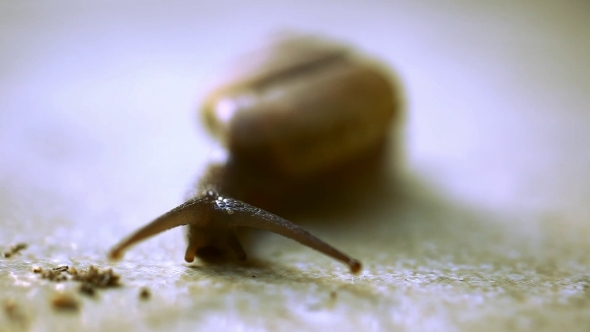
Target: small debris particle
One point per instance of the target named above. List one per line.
(93, 276)
(10, 308)
(36, 269)
(333, 295)
(15, 249)
(14, 313)
(62, 268)
(253, 276)
(98, 278)
(144, 293)
(65, 302)
(87, 289)
(53, 275)
(90, 279)
(18, 247)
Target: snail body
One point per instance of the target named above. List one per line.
(306, 113)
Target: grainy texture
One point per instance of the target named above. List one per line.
(485, 227)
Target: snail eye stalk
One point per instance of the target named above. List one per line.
(224, 215)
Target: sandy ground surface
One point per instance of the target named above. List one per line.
(482, 222)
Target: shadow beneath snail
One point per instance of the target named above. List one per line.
(395, 213)
(269, 273)
(252, 268)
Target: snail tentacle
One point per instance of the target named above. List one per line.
(246, 215)
(181, 215)
(212, 208)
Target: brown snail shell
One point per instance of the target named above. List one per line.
(306, 106)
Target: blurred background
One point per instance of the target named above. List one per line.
(99, 133)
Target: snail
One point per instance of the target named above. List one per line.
(302, 112)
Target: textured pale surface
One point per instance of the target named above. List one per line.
(486, 228)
